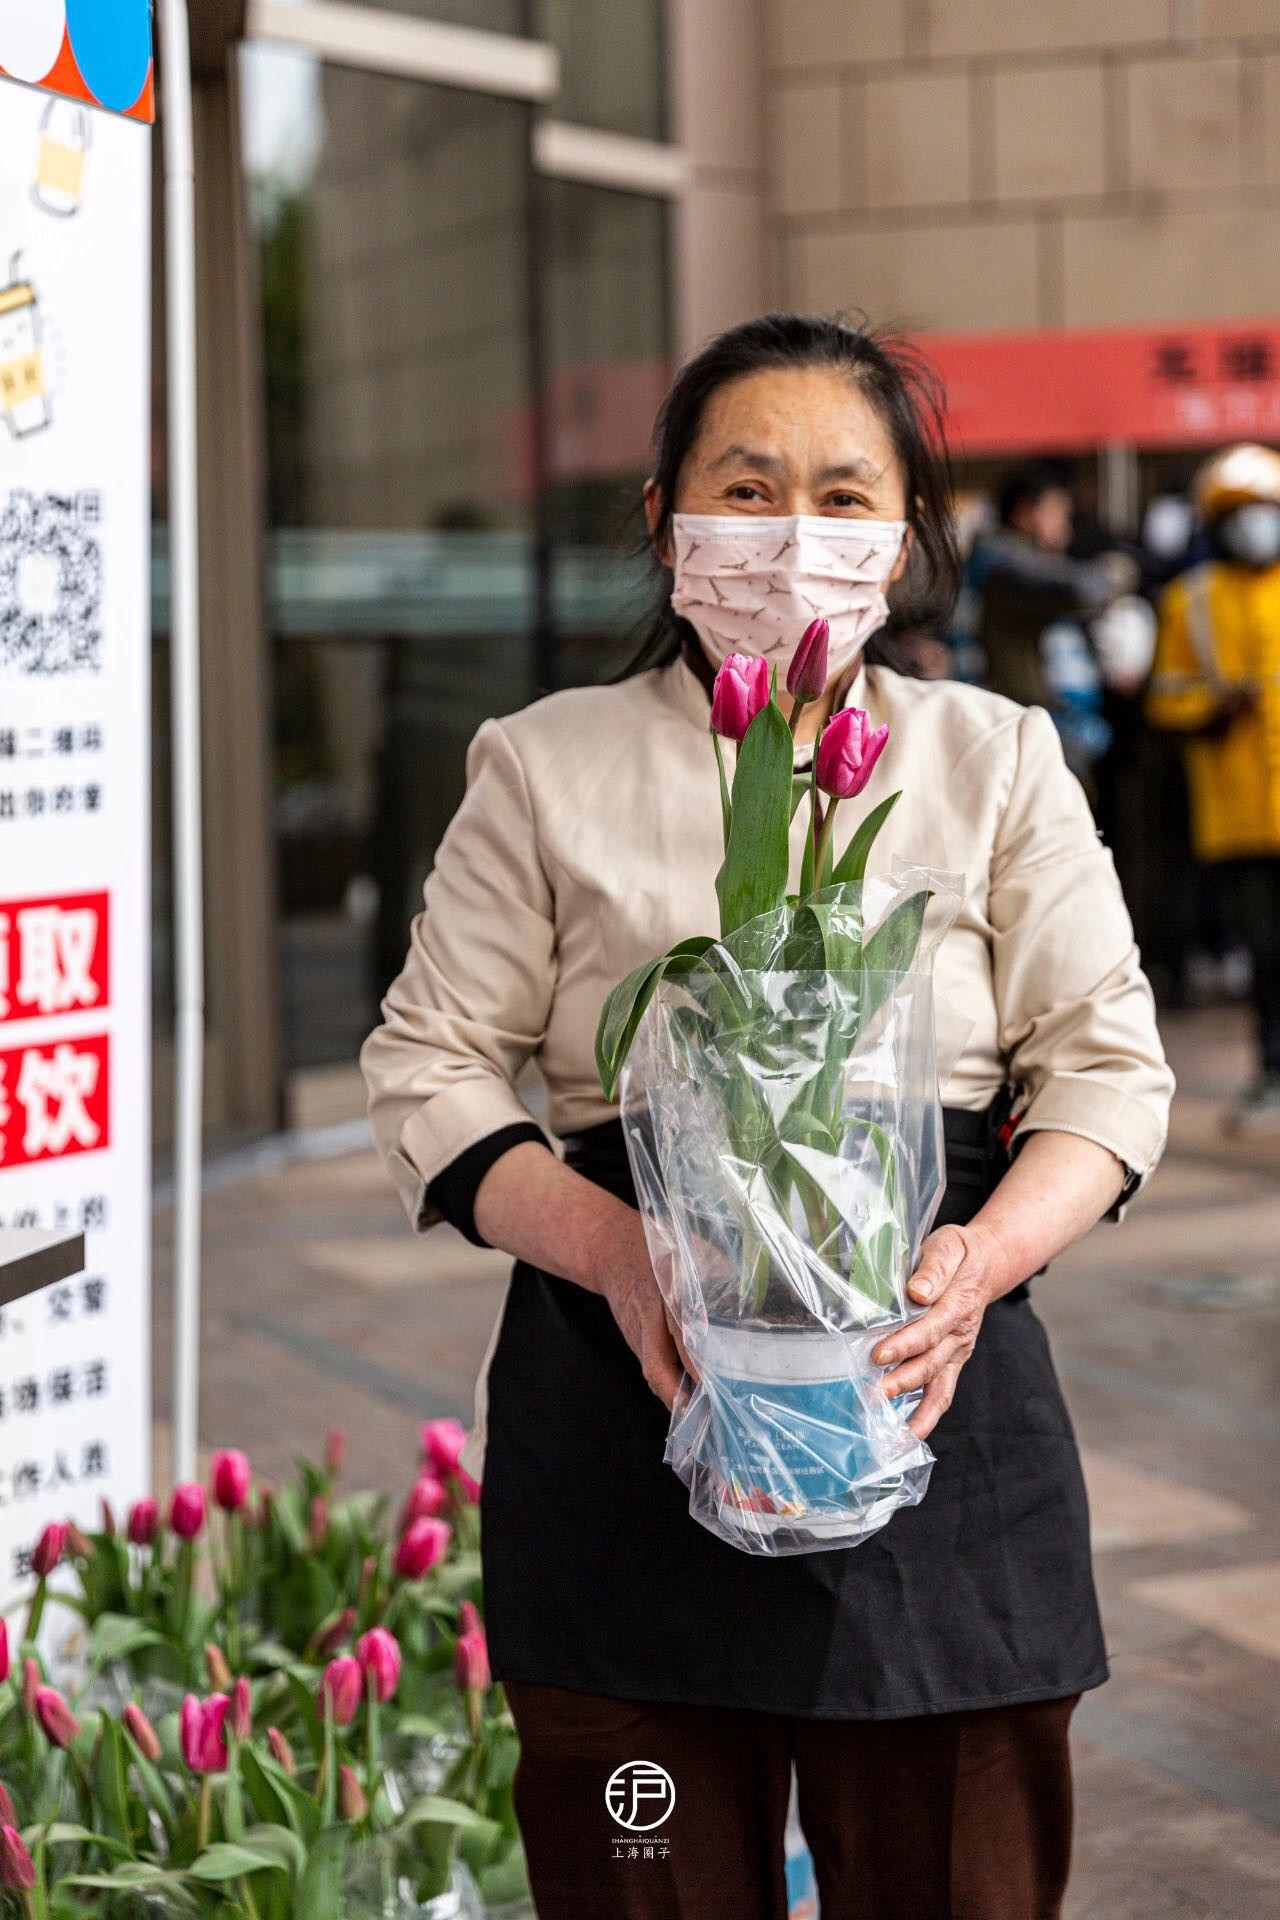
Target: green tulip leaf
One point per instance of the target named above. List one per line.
(625, 1008)
(116, 1635)
(273, 1848)
(319, 1894)
(852, 864)
(753, 878)
(892, 947)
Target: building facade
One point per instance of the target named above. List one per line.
(449, 253)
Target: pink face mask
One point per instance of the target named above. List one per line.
(749, 584)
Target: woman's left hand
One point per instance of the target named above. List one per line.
(961, 1271)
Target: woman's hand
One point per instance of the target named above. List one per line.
(962, 1270)
(624, 1275)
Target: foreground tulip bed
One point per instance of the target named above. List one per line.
(264, 1703)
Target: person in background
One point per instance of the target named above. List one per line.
(1217, 682)
(1034, 596)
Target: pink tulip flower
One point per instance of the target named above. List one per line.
(229, 1479)
(4, 1651)
(318, 1522)
(17, 1869)
(470, 1488)
(203, 1733)
(331, 1639)
(847, 753)
(335, 1451)
(352, 1804)
(807, 674)
(32, 1681)
(56, 1717)
(469, 1620)
(422, 1546)
(379, 1654)
(442, 1444)
(8, 1813)
(241, 1709)
(141, 1732)
(741, 691)
(343, 1683)
(186, 1510)
(217, 1667)
(471, 1661)
(144, 1522)
(426, 1499)
(49, 1549)
(282, 1751)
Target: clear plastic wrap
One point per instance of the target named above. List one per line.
(784, 1130)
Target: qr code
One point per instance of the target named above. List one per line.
(50, 583)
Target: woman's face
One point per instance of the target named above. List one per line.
(802, 440)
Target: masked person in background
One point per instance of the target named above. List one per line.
(1034, 596)
(1217, 682)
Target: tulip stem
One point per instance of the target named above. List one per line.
(37, 1609)
(726, 809)
(822, 840)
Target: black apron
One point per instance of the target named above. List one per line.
(597, 1578)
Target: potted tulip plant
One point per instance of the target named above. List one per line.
(780, 1107)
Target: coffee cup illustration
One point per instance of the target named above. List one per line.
(64, 140)
(24, 399)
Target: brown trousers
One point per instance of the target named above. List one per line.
(953, 1816)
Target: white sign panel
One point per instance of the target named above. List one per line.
(75, 753)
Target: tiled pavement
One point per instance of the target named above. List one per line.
(320, 1307)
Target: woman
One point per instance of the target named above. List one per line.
(921, 1684)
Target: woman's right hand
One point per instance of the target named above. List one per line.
(625, 1277)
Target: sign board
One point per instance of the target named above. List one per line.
(1064, 392)
(75, 749)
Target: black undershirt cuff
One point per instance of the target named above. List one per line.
(453, 1191)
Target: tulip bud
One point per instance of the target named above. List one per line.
(141, 1732)
(202, 1731)
(847, 753)
(215, 1665)
(328, 1642)
(56, 1717)
(32, 1681)
(368, 1574)
(422, 1546)
(469, 1487)
(266, 1502)
(318, 1523)
(109, 1526)
(17, 1869)
(186, 1511)
(807, 674)
(469, 1620)
(282, 1751)
(229, 1479)
(49, 1549)
(144, 1522)
(8, 1813)
(741, 691)
(241, 1709)
(4, 1650)
(471, 1662)
(426, 1499)
(77, 1544)
(352, 1804)
(335, 1451)
(442, 1444)
(343, 1683)
(379, 1654)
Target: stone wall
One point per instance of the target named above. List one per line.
(997, 164)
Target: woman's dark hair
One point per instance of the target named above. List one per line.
(907, 395)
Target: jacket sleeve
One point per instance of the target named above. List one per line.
(1180, 697)
(1076, 1016)
(470, 1005)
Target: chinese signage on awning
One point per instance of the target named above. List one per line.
(75, 749)
(1154, 387)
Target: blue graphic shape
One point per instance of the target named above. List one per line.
(111, 40)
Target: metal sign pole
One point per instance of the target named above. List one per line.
(184, 642)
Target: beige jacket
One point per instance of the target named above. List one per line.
(589, 840)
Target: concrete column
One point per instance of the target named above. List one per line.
(717, 92)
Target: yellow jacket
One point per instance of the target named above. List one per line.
(1220, 630)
